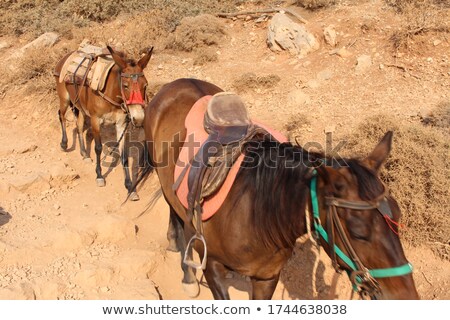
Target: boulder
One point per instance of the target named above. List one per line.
(286, 34)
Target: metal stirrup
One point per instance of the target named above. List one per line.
(189, 248)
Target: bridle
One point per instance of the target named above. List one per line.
(135, 94)
(363, 279)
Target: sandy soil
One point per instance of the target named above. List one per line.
(62, 237)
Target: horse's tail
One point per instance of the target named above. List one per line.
(146, 168)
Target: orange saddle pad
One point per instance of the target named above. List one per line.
(195, 137)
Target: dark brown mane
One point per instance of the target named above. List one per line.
(276, 173)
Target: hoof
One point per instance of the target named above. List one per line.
(172, 247)
(87, 159)
(100, 182)
(63, 147)
(134, 196)
(191, 289)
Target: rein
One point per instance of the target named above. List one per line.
(363, 279)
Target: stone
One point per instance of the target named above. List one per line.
(298, 98)
(286, 34)
(325, 74)
(330, 36)
(4, 45)
(363, 64)
(45, 40)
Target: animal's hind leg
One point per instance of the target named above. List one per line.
(95, 123)
(80, 128)
(190, 283)
(172, 233)
(215, 275)
(264, 289)
(63, 105)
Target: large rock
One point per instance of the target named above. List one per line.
(286, 34)
(45, 40)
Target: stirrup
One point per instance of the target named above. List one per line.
(191, 263)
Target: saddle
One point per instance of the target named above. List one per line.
(229, 127)
(88, 65)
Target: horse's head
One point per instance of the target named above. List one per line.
(358, 225)
(133, 84)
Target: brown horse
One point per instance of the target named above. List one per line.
(119, 102)
(255, 230)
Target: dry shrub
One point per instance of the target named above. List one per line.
(296, 125)
(250, 80)
(205, 56)
(40, 16)
(34, 68)
(315, 4)
(196, 32)
(439, 117)
(418, 16)
(417, 174)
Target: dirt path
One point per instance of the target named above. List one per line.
(61, 237)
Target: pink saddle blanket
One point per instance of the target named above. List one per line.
(195, 137)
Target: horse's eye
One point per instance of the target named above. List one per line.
(358, 228)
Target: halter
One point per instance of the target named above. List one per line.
(135, 93)
(363, 280)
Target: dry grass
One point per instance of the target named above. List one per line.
(250, 81)
(418, 17)
(315, 4)
(439, 117)
(35, 17)
(205, 56)
(196, 33)
(417, 174)
(34, 69)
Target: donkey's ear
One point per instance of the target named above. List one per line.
(145, 59)
(379, 155)
(117, 58)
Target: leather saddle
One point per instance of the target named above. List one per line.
(228, 126)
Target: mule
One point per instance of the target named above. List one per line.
(122, 100)
(255, 230)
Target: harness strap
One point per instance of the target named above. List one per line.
(361, 277)
(109, 99)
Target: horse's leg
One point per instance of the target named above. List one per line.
(64, 103)
(172, 235)
(215, 275)
(264, 289)
(189, 282)
(80, 127)
(95, 125)
(123, 151)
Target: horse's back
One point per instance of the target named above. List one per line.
(60, 64)
(166, 112)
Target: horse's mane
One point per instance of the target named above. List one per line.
(278, 175)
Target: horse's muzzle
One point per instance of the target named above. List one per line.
(136, 114)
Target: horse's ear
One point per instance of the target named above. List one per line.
(145, 59)
(379, 155)
(117, 59)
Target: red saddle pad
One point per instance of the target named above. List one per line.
(195, 137)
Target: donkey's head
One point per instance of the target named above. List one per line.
(133, 84)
